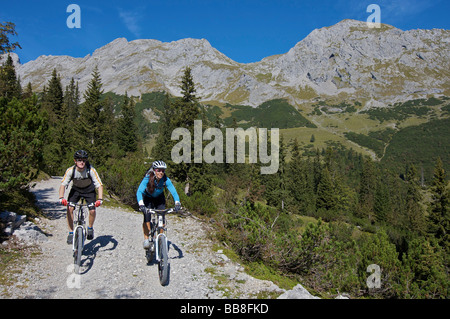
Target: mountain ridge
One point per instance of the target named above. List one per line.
(347, 61)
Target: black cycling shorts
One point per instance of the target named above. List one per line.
(76, 195)
(154, 203)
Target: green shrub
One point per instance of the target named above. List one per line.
(377, 249)
(199, 203)
(123, 176)
(424, 274)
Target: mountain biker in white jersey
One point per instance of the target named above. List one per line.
(150, 194)
(85, 181)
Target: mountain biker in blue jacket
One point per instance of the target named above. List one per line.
(150, 194)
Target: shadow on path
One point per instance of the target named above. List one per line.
(93, 247)
(46, 200)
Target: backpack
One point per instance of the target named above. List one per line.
(88, 168)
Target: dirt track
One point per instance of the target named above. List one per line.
(114, 264)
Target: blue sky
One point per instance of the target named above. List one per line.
(244, 30)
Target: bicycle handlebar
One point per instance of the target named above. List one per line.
(78, 205)
(159, 211)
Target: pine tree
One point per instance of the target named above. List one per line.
(325, 191)
(72, 101)
(296, 187)
(282, 172)
(28, 91)
(300, 186)
(126, 127)
(164, 144)
(367, 190)
(189, 108)
(55, 146)
(414, 210)
(439, 210)
(105, 145)
(188, 87)
(68, 121)
(186, 110)
(309, 203)
(396, 216)
(317, 169)
(87, 128)
(381, 201)
(333, 162)
(9, 84)
(53, 99)
(276, 191)
(255, 187)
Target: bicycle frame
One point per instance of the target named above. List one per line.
(159, 222)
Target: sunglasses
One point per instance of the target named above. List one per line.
(160, 170)
(81, 160)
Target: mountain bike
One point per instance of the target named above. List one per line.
(160, 247)
(79, 234)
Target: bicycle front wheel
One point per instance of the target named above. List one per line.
(163, 265)
(78, 249)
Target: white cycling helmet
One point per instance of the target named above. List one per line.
(159, 164)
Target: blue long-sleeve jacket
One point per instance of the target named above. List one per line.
(159, 189)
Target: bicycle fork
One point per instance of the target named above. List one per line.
(157, 256)
(75, 237)
(160, 228)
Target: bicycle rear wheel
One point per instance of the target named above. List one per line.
(78, 249)
(163, 265)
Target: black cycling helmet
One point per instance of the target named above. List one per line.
(81, 154)
(159, 164)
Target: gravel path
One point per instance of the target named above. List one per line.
(114, 264)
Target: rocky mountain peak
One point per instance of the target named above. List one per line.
(349, 60)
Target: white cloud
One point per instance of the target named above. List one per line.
(131, 21)
(394, 12)
(405, 8)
